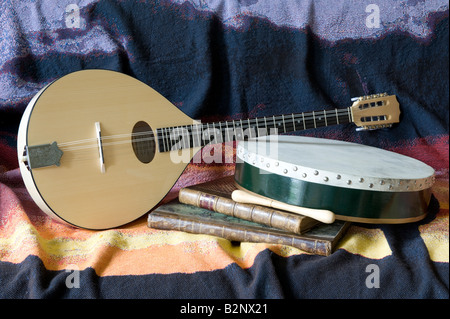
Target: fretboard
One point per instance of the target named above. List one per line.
(199, 135)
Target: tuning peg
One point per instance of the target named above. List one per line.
(359, 98)
(373, 127)
(368, 97)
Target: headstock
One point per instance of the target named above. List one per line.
(375, 111)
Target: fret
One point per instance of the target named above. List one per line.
(260, 128)
(172, 137)
(221, 132)
(169, 140)
(180, 133)
(161, 140)
(186, 137)
(247, 130)
(329, 118)
(191, 130)
(284, 124)
(191, 135)
(200, 134)
(337, 117)
(166, 147)
(238, 135)
(205, 135)
(182, 139)
(320, 121)
(194, 132)
(349, 115)
(216, 140)
(265, 124)
(308, 121)
(160, 146)
(234, 130)
(343, 117)
(256, 129)
(304, 124)
(172, 131)
(242, 135)
(289, 123)
(218, 133)
(314, 119)
(157, 139)
(274, 125)
(228, 132)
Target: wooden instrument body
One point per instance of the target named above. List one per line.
(400, 198)
(77, 191)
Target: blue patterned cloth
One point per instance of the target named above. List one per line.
(216, 60)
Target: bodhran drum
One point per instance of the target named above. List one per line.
(357, 182)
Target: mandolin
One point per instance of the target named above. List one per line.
(98, 149)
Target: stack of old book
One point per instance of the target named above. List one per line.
(208, 209)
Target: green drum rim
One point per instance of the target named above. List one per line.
(348, 204)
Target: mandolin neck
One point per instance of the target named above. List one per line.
(199, 135)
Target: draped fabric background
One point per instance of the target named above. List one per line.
(223, 60)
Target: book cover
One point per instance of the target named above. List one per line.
(320, 240)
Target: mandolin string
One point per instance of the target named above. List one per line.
(103, 138)
(288, 120)
(204, 126)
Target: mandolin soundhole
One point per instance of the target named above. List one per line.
(143, 142)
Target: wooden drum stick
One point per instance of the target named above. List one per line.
(324, 216)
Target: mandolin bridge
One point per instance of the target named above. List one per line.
(43, 155)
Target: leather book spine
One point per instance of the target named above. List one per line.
(170, 221)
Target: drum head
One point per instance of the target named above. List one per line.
(336, 163)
